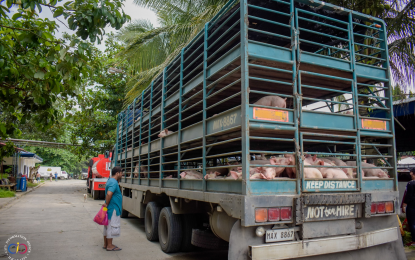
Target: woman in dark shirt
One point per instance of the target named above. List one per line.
(409, 205)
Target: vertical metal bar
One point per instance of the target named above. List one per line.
(141, 129)
(301, 163)
(245, 97)
(133, 140)
(356, 101)
(127, 111)
(162, 125)
(149, 132)
(296, 98)
(179, 134)
(205, 46)
(117, 144)
(389, 95)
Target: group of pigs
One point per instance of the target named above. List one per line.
(275, 166)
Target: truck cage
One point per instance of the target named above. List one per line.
(330, 63)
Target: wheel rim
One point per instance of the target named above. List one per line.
(149, 222)
(164, 230)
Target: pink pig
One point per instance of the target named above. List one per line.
(211, 174)
(191, 175)
(272, 101)
(164, 133)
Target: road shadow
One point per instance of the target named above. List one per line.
(197, 253)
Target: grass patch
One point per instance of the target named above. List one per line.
(4, 175)
(31, 185)
(6, 193)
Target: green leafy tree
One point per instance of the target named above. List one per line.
(6, 151)
(95, 121)
(39, 70)
(399, 94)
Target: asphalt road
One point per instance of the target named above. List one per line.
(59, 225)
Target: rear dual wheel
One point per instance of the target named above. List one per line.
(151, 221)
(170, 231)
(173, 231)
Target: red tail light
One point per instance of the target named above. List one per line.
(373, 208)
(381, 207)
(273, 214)
(286, 213)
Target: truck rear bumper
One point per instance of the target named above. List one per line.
(99, 183)
(288, 250)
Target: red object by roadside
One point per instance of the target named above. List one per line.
(100, 167)
(101, 218)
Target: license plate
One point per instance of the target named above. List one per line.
(101, 186)
(276, 235)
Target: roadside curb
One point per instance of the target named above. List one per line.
(23, 194)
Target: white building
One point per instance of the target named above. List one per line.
(24, 161)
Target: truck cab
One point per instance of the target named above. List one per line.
(64, 175)
(98, 174)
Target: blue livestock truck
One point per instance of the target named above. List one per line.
(330, 67)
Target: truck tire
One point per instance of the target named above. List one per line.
(151, 221)
(95, 194)
(206, 239)
(189, 222)
(124, 213)
(170, 231)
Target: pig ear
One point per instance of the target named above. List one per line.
(217, 173)
(307, 155)
(314, 157)
(166, 130)
(258, 169)
(206, 177)
(321, 163)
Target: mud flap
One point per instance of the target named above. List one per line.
(242, 237)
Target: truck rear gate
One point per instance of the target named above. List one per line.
(331, 65)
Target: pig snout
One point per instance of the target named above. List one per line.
(183, 174)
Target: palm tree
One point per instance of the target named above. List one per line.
(399, 16)
(149, 49)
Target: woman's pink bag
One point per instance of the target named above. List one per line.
(102, 217)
